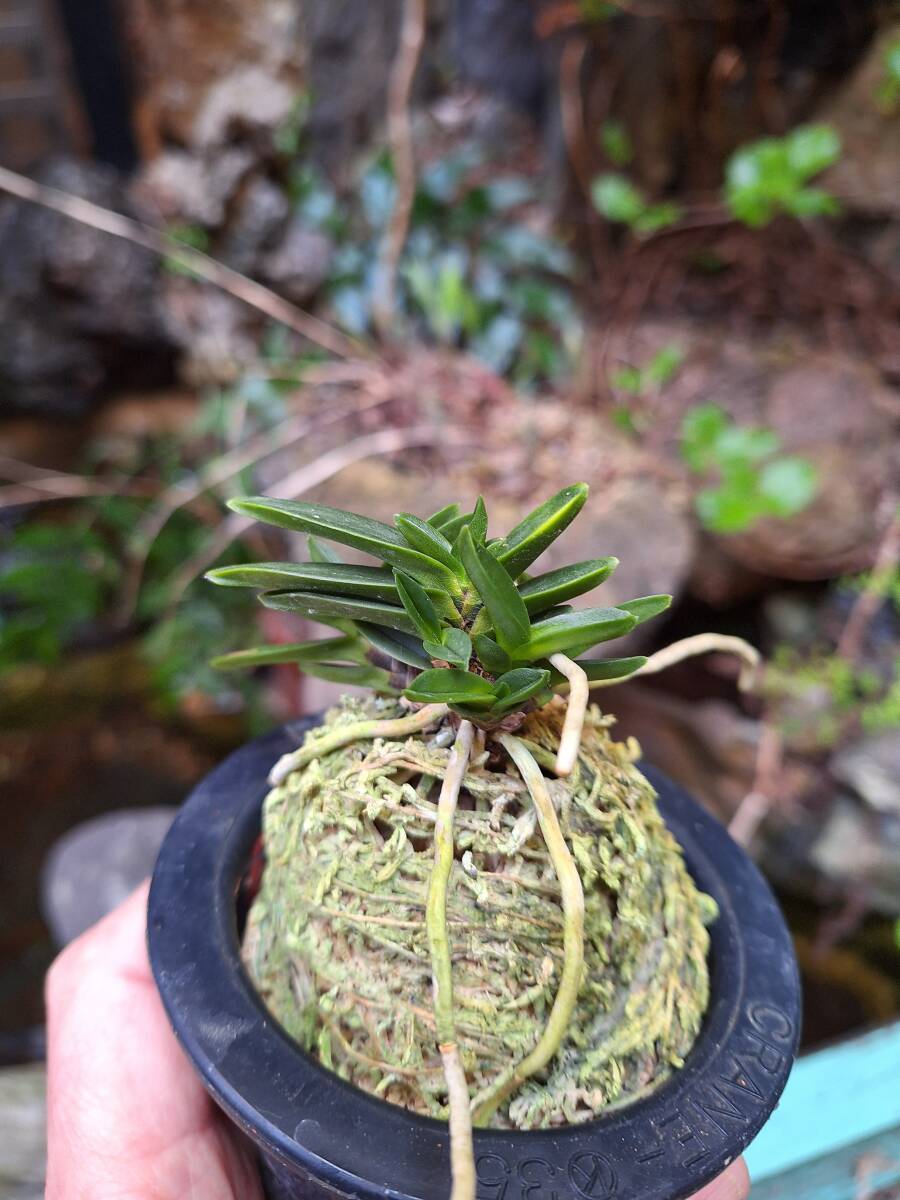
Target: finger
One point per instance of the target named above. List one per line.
(732, 1184)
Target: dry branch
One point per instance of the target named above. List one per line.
(246, 290)
(400, 140)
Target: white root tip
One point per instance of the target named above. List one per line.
(570, 741)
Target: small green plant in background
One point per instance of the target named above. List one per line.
(754, 480)
(195, 237)
(616, 143)
(771, 176)
(888, 93)
(475, 274)
(643, 381)
(621, 202)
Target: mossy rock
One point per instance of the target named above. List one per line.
(336, 940)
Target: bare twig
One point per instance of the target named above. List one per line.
(214, 473)
(400, 139)
(385, 441)
(246, 290)
(870, 598)
(755, 806)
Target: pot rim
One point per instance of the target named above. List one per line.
(661, 1147)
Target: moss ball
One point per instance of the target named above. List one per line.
(337, 946)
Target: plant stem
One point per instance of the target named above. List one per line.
(570, 741)
(573, 937)
(360, 731)
(462, 1156)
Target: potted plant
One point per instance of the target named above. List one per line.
(484, 937)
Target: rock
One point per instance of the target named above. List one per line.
(217, 334)
(96, 865)
(182, 187)
(300, 263)
(865, 176)
(859, 850)
(79, 310)
(350, 48)
(248, 102)
(23, 1119)
(197, 65)
(260, 212)
(871, 768)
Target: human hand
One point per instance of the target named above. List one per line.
(127, 1116)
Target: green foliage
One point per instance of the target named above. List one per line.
(754, 481)
(53, 579)
(474, 274)
(194, 237)
(642, 381)
(617, 199)
(821, 698)
(616, 143)
(659, 371)
(770, 176)
(888, 93)
(62, 582)
(446, 603)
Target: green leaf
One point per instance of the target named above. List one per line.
(491, 656)
(547, 591)
(478, 524)
(421, 611)
(645, 607)
(321, 552)
(454, 526)
(504, 605)
(516, 686)
(448, 685)
(611, 668)
(374, 537)
(616, 143)
(427, 540)
(576, 631)
(788, 484)
(701, 429)
(455, 647)
(402, 646)
(345, 579)
(365, 676)
(812, 148)
(617, 199)
(296, 652)
(443, 515)
(599, 669)
(321, 607)
(531, 537)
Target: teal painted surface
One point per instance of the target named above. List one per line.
(864, 1169)
(836, 1099)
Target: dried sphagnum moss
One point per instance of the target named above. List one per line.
(337, 945)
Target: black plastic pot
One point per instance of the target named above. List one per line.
(320, 1137)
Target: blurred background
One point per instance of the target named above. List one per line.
(395, 253)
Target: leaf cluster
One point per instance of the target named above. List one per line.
(454, 606)
(754, 481)
(620, 201)
(771, 176)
